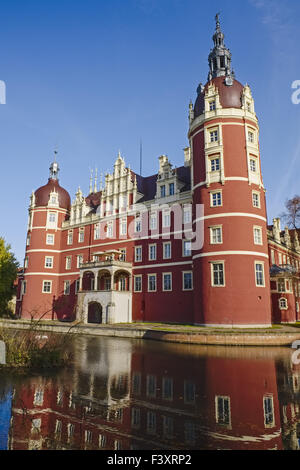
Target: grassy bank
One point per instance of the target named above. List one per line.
(34, 349)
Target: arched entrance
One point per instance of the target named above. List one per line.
(94, 312)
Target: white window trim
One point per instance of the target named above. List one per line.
(286, 303)
(66, 264)
(68, 293)
(211, 193)
(257, 194)
(53, 238)
(155, 275)
(183, 254)
(52, 262)
(70, 234)
(164, 244)
(211, 229)
(187, 272)
(258, 227)
(212, 263)
(264, 278)
(151, 245)
(135, 250)
(46, 292)
(163, 282)
(134, 278)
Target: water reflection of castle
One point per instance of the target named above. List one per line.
(126, 395)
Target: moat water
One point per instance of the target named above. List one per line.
(124, 394)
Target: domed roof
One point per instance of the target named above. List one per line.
(42, 194)
(230, 95)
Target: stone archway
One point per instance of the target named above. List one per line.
(94, 312)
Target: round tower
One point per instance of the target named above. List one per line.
(231, 274)
(49, 207)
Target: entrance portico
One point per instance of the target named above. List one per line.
(106, 286)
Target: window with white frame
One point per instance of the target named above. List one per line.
(96, 231)
(223, 413)
(272, 256)
(47, 287)
(215, 164)
(187, 214)
(259, 274)
(269, 417)
(279, 258)
(151, 282)
(166, 218)
(214, 135)
(281, 285)
(109, 229)
(216, 199)
(70, 237)
(253, 165)
(163, 191)
(257, 233)
(138, 283)
(167, 282)
(81, 235)
(251, 137)
(137, 254)
(23, 288)
(52, 218)
(26, 262)
(48, 261)
(212, 105)
(79, 260)
(216, 235)
(283, 304)
(68, 262)
(256, 199)
(187, 248)
(187, 278)
(138, 223)
(167, 250)
(28, 239)
(153, 221)
(66, 287)
(123, 226)
(218, 274)
(50, 239)
(122, 256)
(38, 398)
(152, 252)
(102, 440)
(171, 189)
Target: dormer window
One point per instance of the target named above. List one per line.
(171, 189)
(138, 223)
(248, 107)
(212, 105)
(215, 164)
(163, 191)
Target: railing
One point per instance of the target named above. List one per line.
(100, 264)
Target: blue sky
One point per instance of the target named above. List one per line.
(92, 77)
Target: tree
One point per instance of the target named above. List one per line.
(292, 214)
(8, 274)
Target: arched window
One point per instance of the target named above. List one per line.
(283, 305)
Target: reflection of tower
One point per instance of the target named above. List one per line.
(49, 208)
(231, 273)
(104, 372)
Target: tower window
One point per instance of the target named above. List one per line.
(49, 262)
(256, 199)
(259, 275)
(171, 189)
(257, 231)
(215, 235)
(216, 199)
(187, 280)
(214, 136)
(215, 164)
(212, 105)
(162, 191)
(50, 239)
(218, 278)
(253, 167)
(47, 286)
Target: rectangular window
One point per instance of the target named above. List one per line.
(122, 256)
(167, 282)
(97, 232)
(214, 136)
(187, 248)
(167, 388)
(48, 261)
(52, 217)
(167, 250)
(168, 426)
(70, 237)
(257, 232)
(77, 285)
(79, 260)
(138, 283)
(47, 287)
(26, 262)
(23, 288)
(216, 235)
(109, 230)
(135, 418)
(136, 383)
(151, 282)
(218, 278)
(166, 218)
(188, 280)
(281, 284)
(151, 422)
(66, 287)
(259, 275)
(153, 221)
(123, 226)
(138, 223)
(253, 165)
(187, 214)
(223, 410)
(81, 235)
(152, 252)
(272, 256)
(50, 239)
(68, 262)
(28, 239)
(256, 199)
(171, 189)
(280, 258)
(251, 137)
(269, 411)
(212, 105)
(189, 392)
(215, 164)
(151, 386)
(138, 254)
(216, 199)
(162, 191)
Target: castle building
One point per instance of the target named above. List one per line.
(186, 245)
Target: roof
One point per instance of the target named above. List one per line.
(42, 194)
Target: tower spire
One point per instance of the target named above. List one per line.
(54, 168)
(219, 59)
